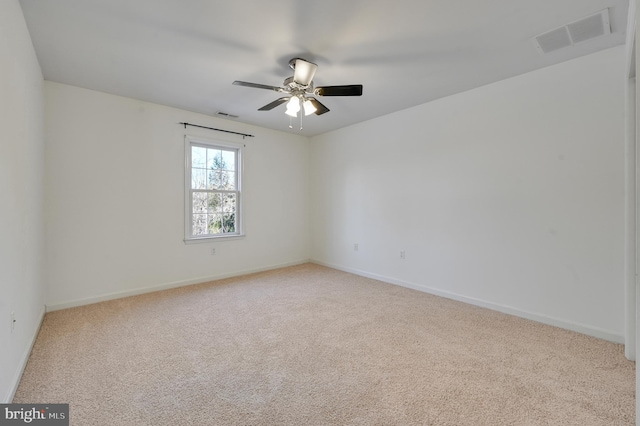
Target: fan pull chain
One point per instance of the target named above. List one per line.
(290, 122)
(301, 115)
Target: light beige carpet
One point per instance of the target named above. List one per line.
(309, 345)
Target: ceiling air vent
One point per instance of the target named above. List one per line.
(576, 32)
(225, 115)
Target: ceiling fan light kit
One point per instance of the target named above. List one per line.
(308, 107)
(293, 106)
(303, 71)
(300, 91)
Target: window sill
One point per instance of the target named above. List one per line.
(199, 240)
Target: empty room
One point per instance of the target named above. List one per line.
(318, 213)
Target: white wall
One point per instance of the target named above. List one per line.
(115, 198)
(509, 196)
(21, 192)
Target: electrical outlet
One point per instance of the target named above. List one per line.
(212, 251)
(13, 321)
(402, 255)
(355, 247)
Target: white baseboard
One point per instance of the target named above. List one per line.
(23, 362)
(166, 286)
(544, 319)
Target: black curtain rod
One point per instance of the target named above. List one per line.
(244, 135)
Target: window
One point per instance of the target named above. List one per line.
(213, 184)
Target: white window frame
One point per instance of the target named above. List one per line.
(189, 142)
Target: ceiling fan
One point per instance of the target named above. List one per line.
(299, 90)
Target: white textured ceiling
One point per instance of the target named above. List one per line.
(187, 53)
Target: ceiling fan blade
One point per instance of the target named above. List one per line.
(258, 86)
(348, 90)
(304, 71)
(320, 109)
(274, 104)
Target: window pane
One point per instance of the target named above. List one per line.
(214, 179)
(199, 202)
(199, 224)
(215, 224)
(230, 180)
(198, 157)
(229, 222)
(229, 159)
(229, 203)
(198, 179)
(214, 159)
(214, 203)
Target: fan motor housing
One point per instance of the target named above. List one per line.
(288, 82)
